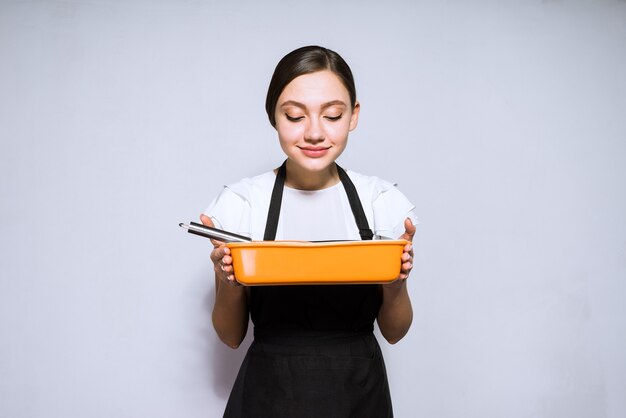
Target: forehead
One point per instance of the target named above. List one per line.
(322, 86)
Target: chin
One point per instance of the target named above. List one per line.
(315, 164)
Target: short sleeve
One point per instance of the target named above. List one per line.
(391, 208)
(230, 211)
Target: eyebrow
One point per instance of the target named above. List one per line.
(324, 106)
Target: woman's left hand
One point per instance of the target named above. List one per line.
(396, 314)
(407, 255)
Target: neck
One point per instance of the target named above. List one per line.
(298, 178)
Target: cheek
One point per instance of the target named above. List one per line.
(288, 133)
(284, 130)
(339, 131)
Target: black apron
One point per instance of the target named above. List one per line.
(314, 353)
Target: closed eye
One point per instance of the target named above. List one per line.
(294, 119)
(334, 118)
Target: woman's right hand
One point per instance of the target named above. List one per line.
(230, 311)
(222, 260)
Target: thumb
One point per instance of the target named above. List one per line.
(409, 230)
(206, 221)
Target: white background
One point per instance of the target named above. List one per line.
(503, 121)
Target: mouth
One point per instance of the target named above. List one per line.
(314, 152)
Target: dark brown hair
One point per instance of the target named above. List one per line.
(306, 60)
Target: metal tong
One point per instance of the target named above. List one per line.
(214, 233)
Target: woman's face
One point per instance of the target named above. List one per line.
(313, 119)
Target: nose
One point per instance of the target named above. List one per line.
(314, 131)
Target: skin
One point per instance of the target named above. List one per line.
(313, 119)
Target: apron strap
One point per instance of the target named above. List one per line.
(271, 226)
(355, 204)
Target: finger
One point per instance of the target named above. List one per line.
(227, 269)
(218, 253)
(232, 281)
(206, 221)
(224, 273)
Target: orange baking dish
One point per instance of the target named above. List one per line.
(298, 262)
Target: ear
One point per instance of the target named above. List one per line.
(354, 119)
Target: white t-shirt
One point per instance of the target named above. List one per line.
(311, 215)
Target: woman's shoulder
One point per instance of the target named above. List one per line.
(233, 208)
(250, 187)
(389, 206)
(372, 185)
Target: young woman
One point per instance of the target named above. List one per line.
(314, 353)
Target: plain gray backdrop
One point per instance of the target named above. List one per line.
(503, 121)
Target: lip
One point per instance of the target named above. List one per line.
(314, 152)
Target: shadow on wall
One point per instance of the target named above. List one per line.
(224, 361)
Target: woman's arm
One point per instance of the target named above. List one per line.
(396, 314)
(230, 311)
